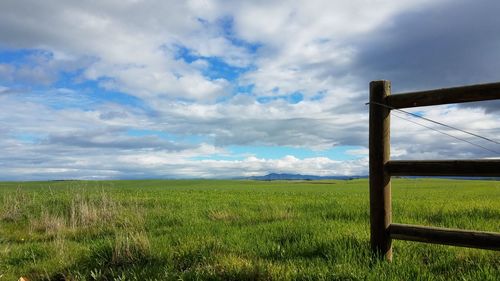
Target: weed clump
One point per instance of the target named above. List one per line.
(13, 206)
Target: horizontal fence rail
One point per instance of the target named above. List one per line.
(471, 168)
(471, 93)
(446, 236)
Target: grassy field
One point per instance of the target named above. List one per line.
(236, 230)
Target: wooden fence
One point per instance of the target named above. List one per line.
(382, 230)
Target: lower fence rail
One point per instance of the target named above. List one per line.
(445, 236)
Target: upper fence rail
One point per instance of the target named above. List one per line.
(469, 168)
(480, 92)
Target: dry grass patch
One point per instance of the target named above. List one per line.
(86, 212)
(220, 215)
(277, 214)
(48, 223)
(234, 262)
(13, 206)
(131, 248)
(79, 212)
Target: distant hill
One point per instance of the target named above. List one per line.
(275, 176)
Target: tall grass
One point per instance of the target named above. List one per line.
(236, 230)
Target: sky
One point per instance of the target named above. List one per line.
(128, 89)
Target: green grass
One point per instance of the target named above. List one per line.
(236, 230)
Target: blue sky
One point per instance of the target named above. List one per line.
(216, 89)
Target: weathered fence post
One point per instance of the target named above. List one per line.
(380, 180)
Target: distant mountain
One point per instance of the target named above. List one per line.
(275, 176)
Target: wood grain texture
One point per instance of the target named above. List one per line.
(446, 236)
(380, 180)
(470, 93)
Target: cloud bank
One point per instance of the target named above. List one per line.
(175, 89)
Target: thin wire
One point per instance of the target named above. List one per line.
(435, 122)
(449, 135)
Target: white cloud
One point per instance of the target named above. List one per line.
(412, 141)
(133, 43)
(307, 44)
(127, 42)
